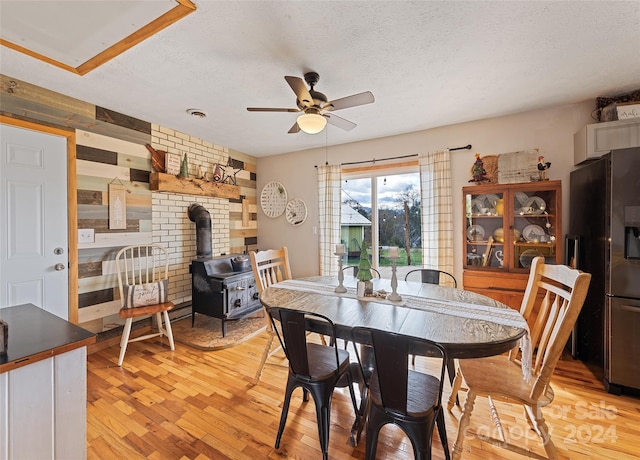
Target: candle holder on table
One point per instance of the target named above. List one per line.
(394, 296)
(340, 287)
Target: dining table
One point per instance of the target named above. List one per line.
(465, 323)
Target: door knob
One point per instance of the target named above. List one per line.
(59, 267)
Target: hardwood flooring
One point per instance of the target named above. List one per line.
(193, 404)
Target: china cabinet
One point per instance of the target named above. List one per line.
(506, 226)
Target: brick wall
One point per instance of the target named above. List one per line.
(173, 230)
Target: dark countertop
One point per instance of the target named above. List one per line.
(35, 334)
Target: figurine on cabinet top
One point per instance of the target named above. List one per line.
(477, 171)
(542, 168)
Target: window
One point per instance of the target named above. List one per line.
(381, 208)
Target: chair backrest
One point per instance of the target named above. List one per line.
(141, 264)
(563, 291)
(353, 270)
(293, 337)
(431, 276)
(391, 352)
(270, 267)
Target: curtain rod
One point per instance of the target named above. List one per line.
(466, 147)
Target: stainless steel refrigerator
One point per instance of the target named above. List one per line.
(604, 234)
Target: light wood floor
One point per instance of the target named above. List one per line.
(191, 404)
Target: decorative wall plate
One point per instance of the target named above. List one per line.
(296, 211)
(273, 199)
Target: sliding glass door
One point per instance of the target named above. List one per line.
(381, 208)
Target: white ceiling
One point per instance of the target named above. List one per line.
(427, 63)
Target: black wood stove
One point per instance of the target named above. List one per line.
(219, 291)
(222, 287)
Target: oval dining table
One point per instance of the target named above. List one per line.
(466, 324)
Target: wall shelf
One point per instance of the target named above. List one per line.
(161, 182)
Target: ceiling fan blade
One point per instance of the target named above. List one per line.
(294, 129)
(339, 122)
(270, 109)
(298, 86)
(350, 101)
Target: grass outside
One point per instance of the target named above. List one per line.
(416, 258)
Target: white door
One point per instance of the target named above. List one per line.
(33, 220)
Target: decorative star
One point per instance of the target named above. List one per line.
(230, 179)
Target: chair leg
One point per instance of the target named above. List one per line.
(323, 415)
(159, 324)
(285, 410)
(463, 425)
(442, 431)
(543, 430)
(451, 370)
(265, 355)
(168, 331)
(372, 427)
(353, 394)
(124, 341)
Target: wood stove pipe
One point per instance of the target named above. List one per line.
(198, 214)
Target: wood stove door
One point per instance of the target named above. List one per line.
(242, 296)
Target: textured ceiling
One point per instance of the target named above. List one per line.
(428, 64)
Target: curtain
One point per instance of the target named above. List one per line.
(437, 210)
(329, 209)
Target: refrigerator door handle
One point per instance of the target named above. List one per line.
(630, 308)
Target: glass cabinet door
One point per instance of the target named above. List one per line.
(484, 230)
(535, 215)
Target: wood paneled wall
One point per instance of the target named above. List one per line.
(111, 148)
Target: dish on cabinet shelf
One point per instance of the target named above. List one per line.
(536, 205)
(480, 208)
(520, 198)
(533, 233)
(475, 233)
(487, 201)
(527, 257)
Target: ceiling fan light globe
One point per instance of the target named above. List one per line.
(312, 123)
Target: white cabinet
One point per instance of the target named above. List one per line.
(43, 386)
(44, 409)
(594, 140)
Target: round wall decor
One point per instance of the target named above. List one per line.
(273, 199)
(296, 212)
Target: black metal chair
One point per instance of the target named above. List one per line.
(314, 367)
(353, 270)
(431, 276)
(407, 398)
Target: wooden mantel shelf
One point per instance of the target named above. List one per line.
(161, 182)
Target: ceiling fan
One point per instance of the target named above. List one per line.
(315, 106)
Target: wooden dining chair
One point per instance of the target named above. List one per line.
(353, 271)
(269, 267)
(399, 395)
(143, 281)
(431, 276)
(500, 378)
(314, 367)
